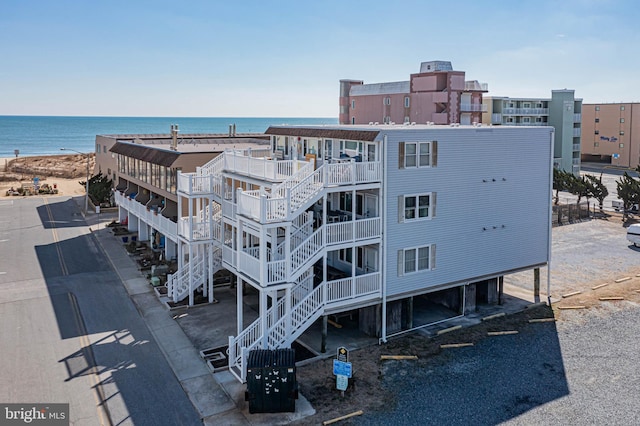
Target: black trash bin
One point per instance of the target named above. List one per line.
(271, 381)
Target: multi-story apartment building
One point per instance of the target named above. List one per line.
(145, 170)
(363, 219)
(437, 94)
(562, 111)
(611, 134)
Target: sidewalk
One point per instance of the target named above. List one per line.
(218, 399)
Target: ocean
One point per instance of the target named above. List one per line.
(34, 135)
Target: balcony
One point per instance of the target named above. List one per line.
(577, 118)
(496, 118)
(348, 290)
(151, 217)
(473, 108)
(351, 231)
(475, 85)
(264, 168)
(198, 230)
(576, 147)
(577, 131)
(525, 111)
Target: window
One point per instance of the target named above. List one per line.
(353, 104)
(407, 101)
(345, 255)
(417, 154)
(597, 107)
(420, 206)
(621, 107)
(416, 259)
(621, 132)
(387, 100)
(596, 144)
(416, 207)
(104, 149)
(597, 120)
(109, 171)
(97, 148)
(526, 119)
(597, 132)
(538, 119)
(539, 105)
(526, 105)
(353, 120)
(621, 145)
(622, 120)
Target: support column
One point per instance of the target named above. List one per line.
(263, 318)
(239, 310)
(190, 265)
(500, 289)
(209, 248)
(323, 343)
(536, 285)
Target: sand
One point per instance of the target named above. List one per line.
(49, 166)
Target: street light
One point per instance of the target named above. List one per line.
(86, 195)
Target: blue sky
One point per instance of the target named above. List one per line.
(285, 58)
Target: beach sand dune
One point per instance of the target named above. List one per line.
(63, 171)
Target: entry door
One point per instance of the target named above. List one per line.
(371, 152)
(370, 205)
(371, 260)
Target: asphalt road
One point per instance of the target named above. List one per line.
(581, 371)
(68, 330)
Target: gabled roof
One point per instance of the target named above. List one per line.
(152, 155)
(324, 132)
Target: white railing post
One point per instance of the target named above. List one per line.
(263, 207)
(287, 203)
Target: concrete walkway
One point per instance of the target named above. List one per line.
(218, 399)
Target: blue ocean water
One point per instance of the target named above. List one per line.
(34, 135)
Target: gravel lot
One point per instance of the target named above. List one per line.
(580, 370)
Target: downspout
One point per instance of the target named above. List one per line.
(550, 218)
(383, 157)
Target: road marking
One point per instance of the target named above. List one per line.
(2, 273)
(6, 203)
(56, 240)
(98, 395)
(3, 241)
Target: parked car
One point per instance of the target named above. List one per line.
(633, 234)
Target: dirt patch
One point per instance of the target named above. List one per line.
(366, 391)
(599, 292)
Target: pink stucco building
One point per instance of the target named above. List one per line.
(436, 94)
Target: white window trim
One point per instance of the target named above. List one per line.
(402, 207)
(402, 257)
(407, 101)
(417, 155)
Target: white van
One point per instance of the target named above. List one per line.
(633, 234)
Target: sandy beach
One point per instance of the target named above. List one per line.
(48, 169)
